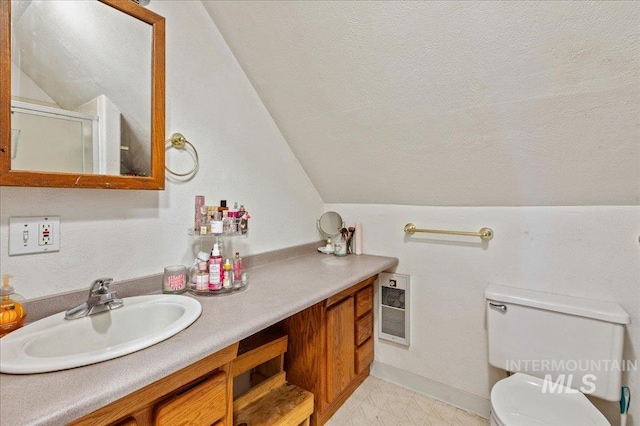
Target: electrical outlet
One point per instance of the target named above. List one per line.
(45, 231)
(34, 234)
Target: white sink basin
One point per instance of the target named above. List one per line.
(53, 343)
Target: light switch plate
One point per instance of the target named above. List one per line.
(34, 234)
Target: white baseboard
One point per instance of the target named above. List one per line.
(445, 393)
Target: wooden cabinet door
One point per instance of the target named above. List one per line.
(340, 347)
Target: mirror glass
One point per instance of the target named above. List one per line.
(80, 88)
(330, 224)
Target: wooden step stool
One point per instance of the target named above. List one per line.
(270, 401)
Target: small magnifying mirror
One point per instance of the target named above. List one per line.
(330, 224)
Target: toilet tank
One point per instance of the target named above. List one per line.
(572, 341)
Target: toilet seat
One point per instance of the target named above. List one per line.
(519, 401)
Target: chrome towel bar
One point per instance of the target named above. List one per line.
(485, 233)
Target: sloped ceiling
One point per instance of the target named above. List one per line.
(450, 103)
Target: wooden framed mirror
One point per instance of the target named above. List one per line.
(82, 100)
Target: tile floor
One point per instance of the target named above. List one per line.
(377, 402)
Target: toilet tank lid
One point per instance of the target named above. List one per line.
(597, 309)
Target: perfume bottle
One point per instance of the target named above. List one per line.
(237, 270)
(202, 277)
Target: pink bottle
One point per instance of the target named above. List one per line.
(237, 269)
(216, 271)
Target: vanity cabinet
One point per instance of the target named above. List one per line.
(201, 394)
(331, 347)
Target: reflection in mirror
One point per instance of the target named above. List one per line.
(80, 88)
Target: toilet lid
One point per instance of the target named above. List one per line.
(519, 401)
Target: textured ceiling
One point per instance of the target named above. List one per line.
(450, 103)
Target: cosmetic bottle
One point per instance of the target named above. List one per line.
(223, 206)
(226, 282)
(243, 225)
(216, 272)
(211, 215)
(203, 256)
(233, 225)
(227, 223)
(234, 214)
(204, 222)
(12, 310)
(202, 277)
(216, 225)
(237, 270)
(198, 212)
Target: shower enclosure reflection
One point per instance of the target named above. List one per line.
(63, 141)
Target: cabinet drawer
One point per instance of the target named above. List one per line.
(203, 404)
(364, 328)
(364, 355)
(364, 301)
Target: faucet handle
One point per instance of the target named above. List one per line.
(100, 286)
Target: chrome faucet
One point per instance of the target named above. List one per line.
(100, 299)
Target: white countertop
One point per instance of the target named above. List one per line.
(276, 291)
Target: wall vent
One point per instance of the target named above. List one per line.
(394, 308)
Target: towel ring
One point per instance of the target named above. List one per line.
(180, 142)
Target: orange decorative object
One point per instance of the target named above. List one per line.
(8, 315)
(12, 312)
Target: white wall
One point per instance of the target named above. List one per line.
(589, 252)
(128, 234)
(22, 87)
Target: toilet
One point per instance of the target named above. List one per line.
(559, 349)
